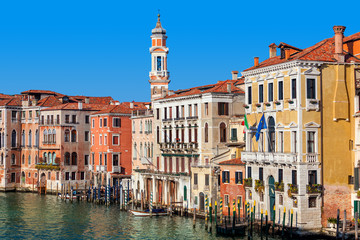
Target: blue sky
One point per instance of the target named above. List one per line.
(101, 48)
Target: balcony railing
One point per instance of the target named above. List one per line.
(192, 118)
(292, 189)
(176, 146)
(248, 182)
(100, 168)
(270, 157)
(167, 119)
(314, 188)
(312, 157)
(116, 169)
(279, 186)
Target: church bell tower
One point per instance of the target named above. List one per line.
(159, 75)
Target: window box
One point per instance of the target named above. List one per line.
(277, 103)
(291, 101)
(358, 194)
(292, 104)
(246, 106)
(267, 104)
(259, 186)
(258, 105)
(312, 104)
(314, 188)
(279, 186)
(293, 189)
(248, 182)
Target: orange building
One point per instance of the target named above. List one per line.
(231, 184)
(111, 143)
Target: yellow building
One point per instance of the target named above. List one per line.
(303, 159)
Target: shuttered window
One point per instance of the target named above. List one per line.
(310, 88)
(294, 178)
(261, 93)
(356, 179)
(238, 177)
(271, 92)
(281, 90)
(293, 88)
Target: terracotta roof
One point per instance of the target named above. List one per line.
(11, 102)
(219, 87)
(321, 51)
(282, 44)
(75, 106)
(235, 161)
(4, 96)
(49, 101)
(42, 92)
(94, 100)
(115, 109)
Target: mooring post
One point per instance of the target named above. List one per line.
(273, 225)
(194, 217)
(234, 219)
(210, 217)
(221, 211)
(206, 217)
(215, 215)
(266, 224)
(291, 222)
(344, 226)
(283, 227)
(337, 223)
(356, 225)
(238, 210)
(71, 194)
(254, 210)
(261, 222)
(251, 222)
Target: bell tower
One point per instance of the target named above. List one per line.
(159, 75)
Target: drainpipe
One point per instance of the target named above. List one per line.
(5, 145)
(322, 139)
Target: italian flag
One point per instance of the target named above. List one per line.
(246, 124)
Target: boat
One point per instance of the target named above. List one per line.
(146, 213)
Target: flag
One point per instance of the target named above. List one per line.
(246, 122)
(262, 125)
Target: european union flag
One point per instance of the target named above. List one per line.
(262, 125)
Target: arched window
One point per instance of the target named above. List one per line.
(49, 136)
(141, 150)
(36, 160)
(13, 138)
(54, 157)
(54, 135)
(23, 159)
(73, 136)
(29, 160)
(67, 135)
(13, 159)
(271, 132)
(222, 132)
(2, 159)
(37, 138)
(157, 134)
(206, 130)
(133, 126)
(30, 139)
(134, 151)
(23, 138)
(74, 158)
(150, 126)
(49, 158)
(45, 136)
(67, 158)
(152, 149)
(145, 150)
(45, 158)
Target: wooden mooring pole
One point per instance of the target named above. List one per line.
(356, 225)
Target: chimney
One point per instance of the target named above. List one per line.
(87, 100)
(80, 105)
(229, 87)
(132, 104)
(256, 61)
(287, 53)
(272, 50)
(339, 35)
(234, 75)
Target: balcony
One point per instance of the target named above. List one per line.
(314, 188)
(312, 105)
(116, 169)
(178, 147)
(192, 118)
(167, 119)
(247, 182)
(269, 106)
(206, 188)
(146, 160)
(248, 108)
(279, 186)
(312, 158)
(100, 168)
(269, 157)
(292, 189)
(91, 168)
(142, 113)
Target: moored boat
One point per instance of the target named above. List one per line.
(146, 213)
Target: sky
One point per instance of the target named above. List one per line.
(101, 48)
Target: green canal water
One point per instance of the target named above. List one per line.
(30, 216)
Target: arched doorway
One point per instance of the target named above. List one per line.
(43, 180)
(271, 196)
(22, 178)
(271, 132)
(201, 201)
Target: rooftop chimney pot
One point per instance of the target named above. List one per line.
(229, 87)
(272, 50)
(287, 53)
(256, 61)
(234, 75)
(339, 35)
(80, 105)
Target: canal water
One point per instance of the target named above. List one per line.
(30, 216)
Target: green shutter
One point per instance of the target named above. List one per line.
(236, 177)
(356, 179)
(185, 193)
(356, 204)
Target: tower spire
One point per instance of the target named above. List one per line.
(159, 75)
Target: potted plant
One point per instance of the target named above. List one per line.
(358, 194)
(313, 101)
(292, 188)
(267, 104)
(246, 106)
(258, 105)
(248, 182)
(290, 101)
(277, 102)
(279, 186)
(332, 222)
(259, 186)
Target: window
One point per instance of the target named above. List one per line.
(206, 131)
(226, 177)
(105, 122)
(294, 141)
(49, 175)
(312, 202)
(281, 199)
(57, 175)
(280, 90)
(73, 136)
(73, 176)
(261, 174)
(195, 178)
(222, 132)
(87, 119)
(165, 113)
(86, 160)
(115, 159)
(13, 115)
(93, 139)
(115, 140)
(100, 159)
(206, 109)
(310, 88)
(311, 142)
(13, 159)
(207, 180)
(100, 139)
(105, 159)
(13, 138)
(82, 175)
(29, 160)
(157, 134)
(93, 123)
(116, 122)
(74, 158)
(195, 110)
(87, 136)
(293, 88)
(13, 177)
(249, 172)
(270, 92)
(281, 142)
(234, 134)
(312, 177)
(223, 108)
(67, 118)
(67, 176)
(67, 158)
(261, 93)
(294, 177)
(73, 118)
(105, 139)
(280, 175)
(249, 95)
(261, 142)
(100, 122)
(226, 200)
(238, 178)
(158, 63)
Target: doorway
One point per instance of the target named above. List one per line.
(272, 196)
